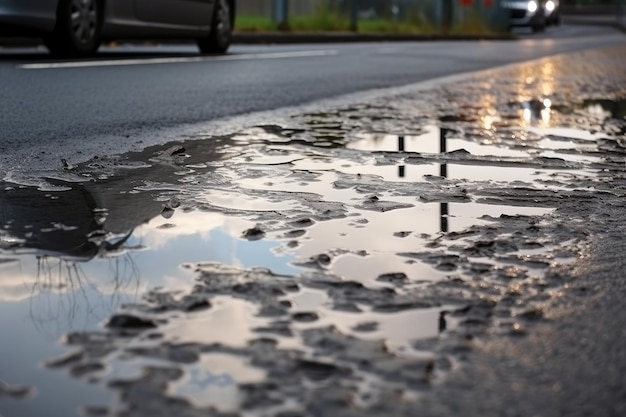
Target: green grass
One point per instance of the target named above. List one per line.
(472, 25)
(321, 22)
(388, 26)
(328, 21)
(254, 24)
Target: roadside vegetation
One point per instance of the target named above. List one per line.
(333, 19)
(330, 23)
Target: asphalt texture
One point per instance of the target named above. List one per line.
(569, 359)
(571, 365)
(76, 113)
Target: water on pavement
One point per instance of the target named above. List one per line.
(342, 263)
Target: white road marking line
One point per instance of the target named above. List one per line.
(176, 60)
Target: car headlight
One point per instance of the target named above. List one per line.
(532, 6)
(550, 5)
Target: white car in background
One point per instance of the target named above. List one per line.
(75, 28)
(528, 13)
(553, 12)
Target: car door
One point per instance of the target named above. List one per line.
(191, 13)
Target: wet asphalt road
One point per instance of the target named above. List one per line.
(570, 364)
(129, 95)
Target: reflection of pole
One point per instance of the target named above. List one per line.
(401, 168)
(442, 321)
(443, 172)
(444, 216)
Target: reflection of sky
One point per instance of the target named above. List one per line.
(27, 340)
(230, 321)
(213, 381)
(398, 329)
(169, 247)
(556, 142)
(378, 240)
(184, 238)
(429, 143)
(43, 298)
(48, 297)
(554, 139)
(496, 174)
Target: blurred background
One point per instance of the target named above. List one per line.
(402, 16)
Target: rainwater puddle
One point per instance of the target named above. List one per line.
(73, 258)
(281, 265)
(74, 261)
(565, 144)
(368, 245)
(65, 268)
(231, 322)
(435, 140)
(214, 381)
(411, 172)
(398, 330)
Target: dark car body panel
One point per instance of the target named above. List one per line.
(128, 19)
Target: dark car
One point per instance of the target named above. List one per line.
(77, 27)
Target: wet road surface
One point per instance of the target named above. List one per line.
(451, 250)
(75, 113)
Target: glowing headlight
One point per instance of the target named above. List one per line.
(550, 5)
(532, 6)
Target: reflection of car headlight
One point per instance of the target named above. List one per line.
(532, 6)
(550, 5)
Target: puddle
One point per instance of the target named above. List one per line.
(341, 263)
(77, 253)
(435, 140)
(214, 381)
(67, 265)
(76, 257)
(230, 323)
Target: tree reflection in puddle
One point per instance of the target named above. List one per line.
(64, 293)
(70, 258)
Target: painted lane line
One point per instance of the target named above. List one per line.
(177, 60)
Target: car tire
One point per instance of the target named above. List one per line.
(77, 29)
(221, 32)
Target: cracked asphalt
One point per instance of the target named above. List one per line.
(452, 250)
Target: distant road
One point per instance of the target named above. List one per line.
(127, 96)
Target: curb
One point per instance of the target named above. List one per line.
(266, 38)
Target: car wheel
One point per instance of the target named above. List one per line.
(77, 29)
(221, 33)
